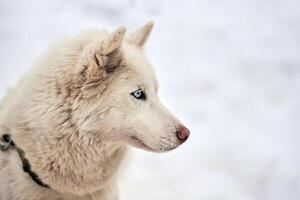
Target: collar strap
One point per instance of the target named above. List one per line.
(9, 143)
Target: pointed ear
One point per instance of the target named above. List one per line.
(100, 58)
(113, 41)
(140, 36)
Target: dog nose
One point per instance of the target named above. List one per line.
(183, 134)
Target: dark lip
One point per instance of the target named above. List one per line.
(138, 143)
(135, 141)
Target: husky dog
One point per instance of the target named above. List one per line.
(66, 126)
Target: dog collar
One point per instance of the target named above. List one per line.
(9, 143)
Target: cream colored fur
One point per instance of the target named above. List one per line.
(74, 117)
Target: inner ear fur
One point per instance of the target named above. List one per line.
(101, 58)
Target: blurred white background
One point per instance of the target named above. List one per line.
(230, 70)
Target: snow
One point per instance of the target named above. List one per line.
(230, 70)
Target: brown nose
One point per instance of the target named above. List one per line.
(183, 134)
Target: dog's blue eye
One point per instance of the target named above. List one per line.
(139, 94)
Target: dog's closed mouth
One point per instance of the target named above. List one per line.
(139, 143)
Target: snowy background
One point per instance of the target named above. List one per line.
(230, 70)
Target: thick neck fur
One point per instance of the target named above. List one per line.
(66, 158)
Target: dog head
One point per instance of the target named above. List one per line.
(119, 100)
(83, 101)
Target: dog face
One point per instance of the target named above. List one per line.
(121, 103)
(83, 99)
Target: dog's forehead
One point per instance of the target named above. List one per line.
(137, 63)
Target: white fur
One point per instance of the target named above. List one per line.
(73, 116)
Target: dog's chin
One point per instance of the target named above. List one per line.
(138, 143)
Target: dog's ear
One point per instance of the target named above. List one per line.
(100, 58)
(140, 36)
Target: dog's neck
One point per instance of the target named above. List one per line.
(69, 161)
(73, 167)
